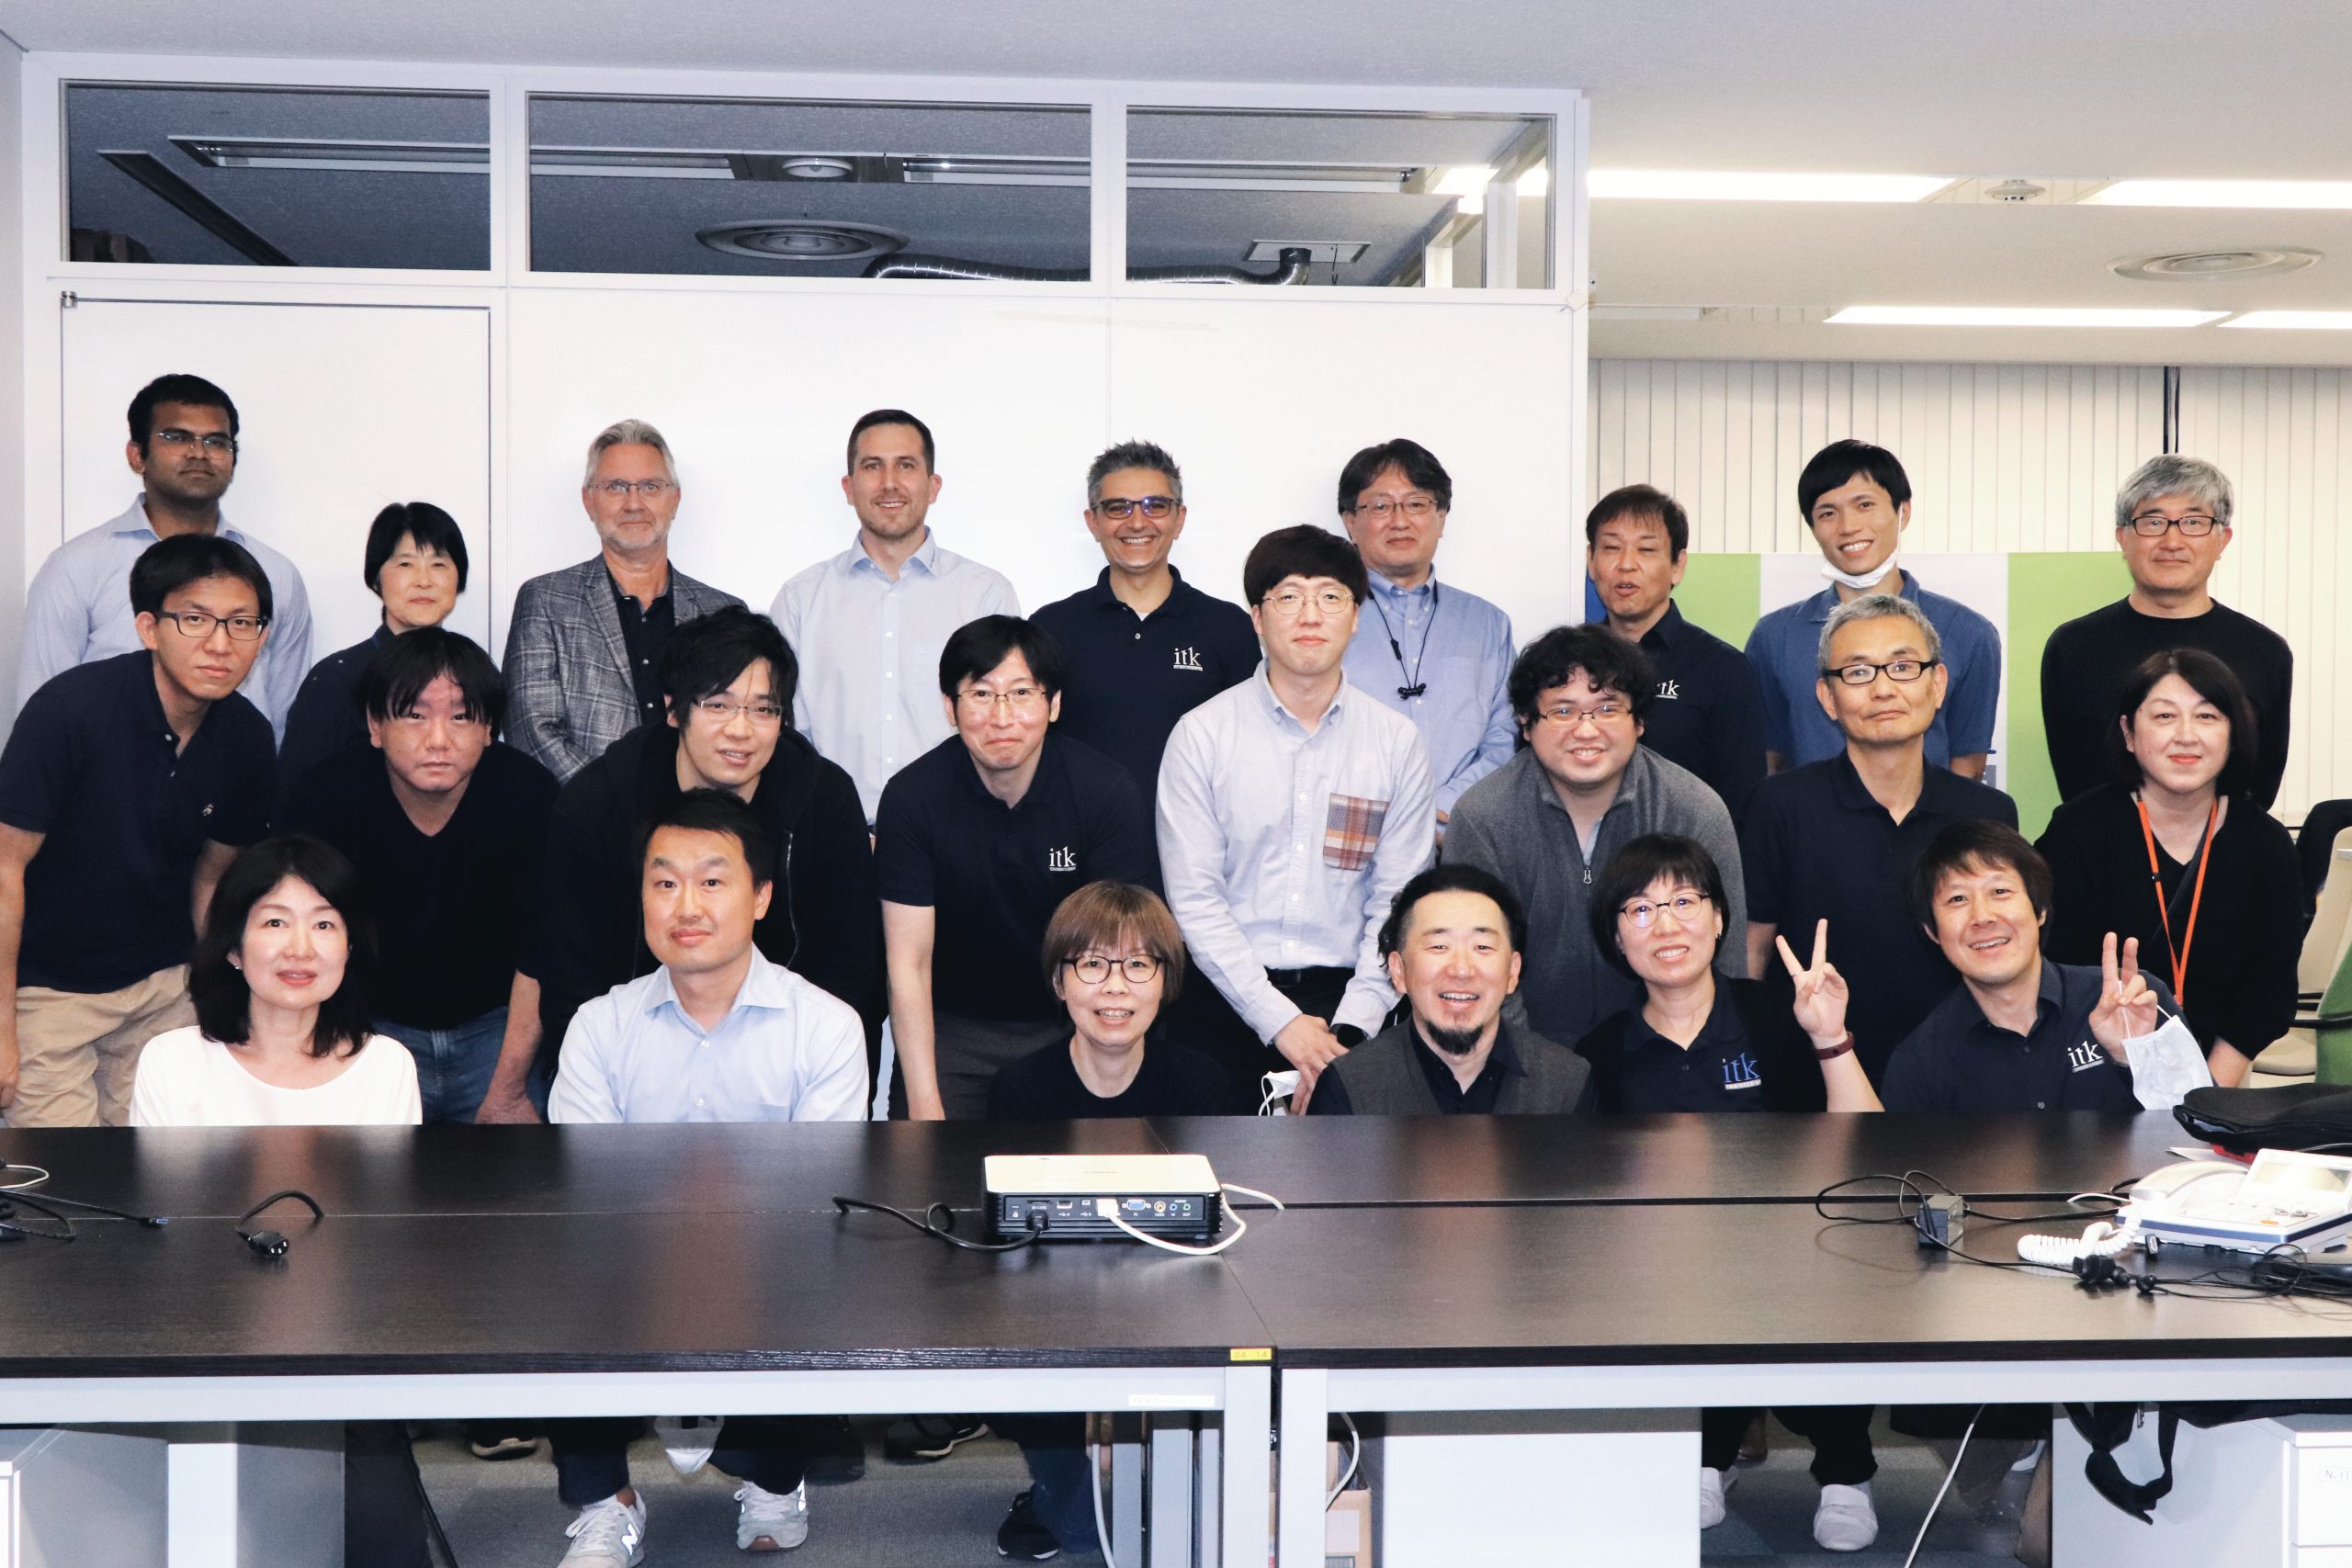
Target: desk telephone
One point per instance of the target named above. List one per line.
(2285, 1197)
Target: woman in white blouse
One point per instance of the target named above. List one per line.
(280, 978)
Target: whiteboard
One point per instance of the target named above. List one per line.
(343, 409)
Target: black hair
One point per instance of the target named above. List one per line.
(1417, 463)
(1841, 462)
(1146, 455)
(1633, 869)
(705, 655)
(192, 391)
(892, 416)
(1644, 500)
(169, 565)
(223, 1000)
(1453, 876)
(432, 528)
(1302, 550)
(715, 811)
(2211, 679)
(1609, 661)
(978, 646)
(1971, 842)
(397, 673)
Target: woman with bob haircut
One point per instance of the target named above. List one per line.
(280, 977)
(2174, 850)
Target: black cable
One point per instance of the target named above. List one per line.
(943, 1228)
(1415, 685)
(270, 1243)
(53, 1204)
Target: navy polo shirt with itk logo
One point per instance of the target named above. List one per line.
(994, 874)
(1127, 678)
(1958, 1060)
(94, 767)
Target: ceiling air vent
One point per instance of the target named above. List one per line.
(799, 239)
(2192, 266)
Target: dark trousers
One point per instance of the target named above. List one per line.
(383, 1506)
(592, 1453)
(1061, 1482)
(1840, 1436)
(1205, 1020)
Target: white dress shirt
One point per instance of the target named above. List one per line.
(785, 1052)
(1261, 867)
(78, 609)
(869, 653)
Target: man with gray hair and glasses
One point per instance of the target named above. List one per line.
(2172, 521)
(583, 652)
(1835, 840)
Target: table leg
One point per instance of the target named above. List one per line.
(1306, 1425)
(1209, 1456)
(1168, 1440)
(1127, 1488)
(1248, 1425)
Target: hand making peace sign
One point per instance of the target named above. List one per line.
(2127, 1007)
(1821, 990)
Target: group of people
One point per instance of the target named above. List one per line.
(1344, 844)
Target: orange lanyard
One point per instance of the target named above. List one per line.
(2196, 899)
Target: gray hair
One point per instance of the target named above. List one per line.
(627, 433)
(2173, 474)
(1133, 455)
(1876, 607)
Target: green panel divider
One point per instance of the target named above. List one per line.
(1723, 593)
(2046, 590)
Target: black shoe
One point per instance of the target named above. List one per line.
(836, 1453)
(1021, 1536)
(914, 1437)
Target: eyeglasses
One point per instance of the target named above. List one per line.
(718, 710)
(2194, 526)
(1118, 508)
(177, 438)
(196, 623)
(1020, 699)
(1641, 912)
(1569, 718)
(621, 490)
(1093, 968)
(1380, 511)
(1289, 602)
(1901, 671)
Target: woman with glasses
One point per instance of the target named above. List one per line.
(2174, 850)
(1700, 1042)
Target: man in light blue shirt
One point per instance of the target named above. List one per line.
(184, 449)
(1440, 656)
(868, 625)
(716, 1033)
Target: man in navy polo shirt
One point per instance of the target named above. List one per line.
(1831, 841)
(128, 787)
(1708, 715)
(1857, 500)
(976, 842)
(1142, 648)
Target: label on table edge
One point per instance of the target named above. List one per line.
(1253, 1353)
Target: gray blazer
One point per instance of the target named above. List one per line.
(568, 692)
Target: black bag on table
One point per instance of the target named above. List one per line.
(2291, 1116)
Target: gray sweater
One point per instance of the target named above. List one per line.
(1511, 823)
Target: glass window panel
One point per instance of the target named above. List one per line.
(810, 189)
(1386, 200)
(261, 176)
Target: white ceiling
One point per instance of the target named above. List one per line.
(2071, 88)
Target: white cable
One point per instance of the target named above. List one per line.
(1095, 1490)
(37, 1176)
(2098, 1239)
(1958, 1454)
(1109, 1209)
(1355, 1451)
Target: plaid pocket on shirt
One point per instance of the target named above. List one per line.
(1352, 831)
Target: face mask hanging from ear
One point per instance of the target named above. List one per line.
(1861, 582)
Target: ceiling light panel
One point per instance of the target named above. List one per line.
(2314, 195)
(1691, 185)
(2307, 320)
(2014, 316)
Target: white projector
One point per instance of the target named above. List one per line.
(1083, 1196)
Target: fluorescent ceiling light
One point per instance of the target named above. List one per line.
(2321, 194)
(1467, 180)
(1537, 181)
(2014, 316)
(2322, 320)
(1692, 185)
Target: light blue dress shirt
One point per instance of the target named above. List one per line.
(785, 1052)
(78, 609)
(1459, 646)
(869, 653)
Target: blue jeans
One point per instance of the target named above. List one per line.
(453, 1066)
(1061, 1478)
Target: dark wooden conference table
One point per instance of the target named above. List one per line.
(1422, 1264)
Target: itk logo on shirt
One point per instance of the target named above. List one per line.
(2082, 1057)
(1061, 860)
(1740, 1072)
(1189, 659)
(1669, 689)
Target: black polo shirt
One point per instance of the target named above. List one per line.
(1719, 1071)
(1170, 1081)
(993, 875)
(1128, 679)
(1816, 845)
(1959, 1060)
(1446, 1094)
(645, 631)
(94, 766)
(1708, 715)
(456, 911)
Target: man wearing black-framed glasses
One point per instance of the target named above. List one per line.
(2173, 518)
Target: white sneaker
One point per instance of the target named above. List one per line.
(1712, 1485)
(1845, 1521)
(610, 1534)
(771, 1521)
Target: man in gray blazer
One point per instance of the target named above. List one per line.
(583, 655)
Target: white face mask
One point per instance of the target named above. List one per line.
(1861, 582)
